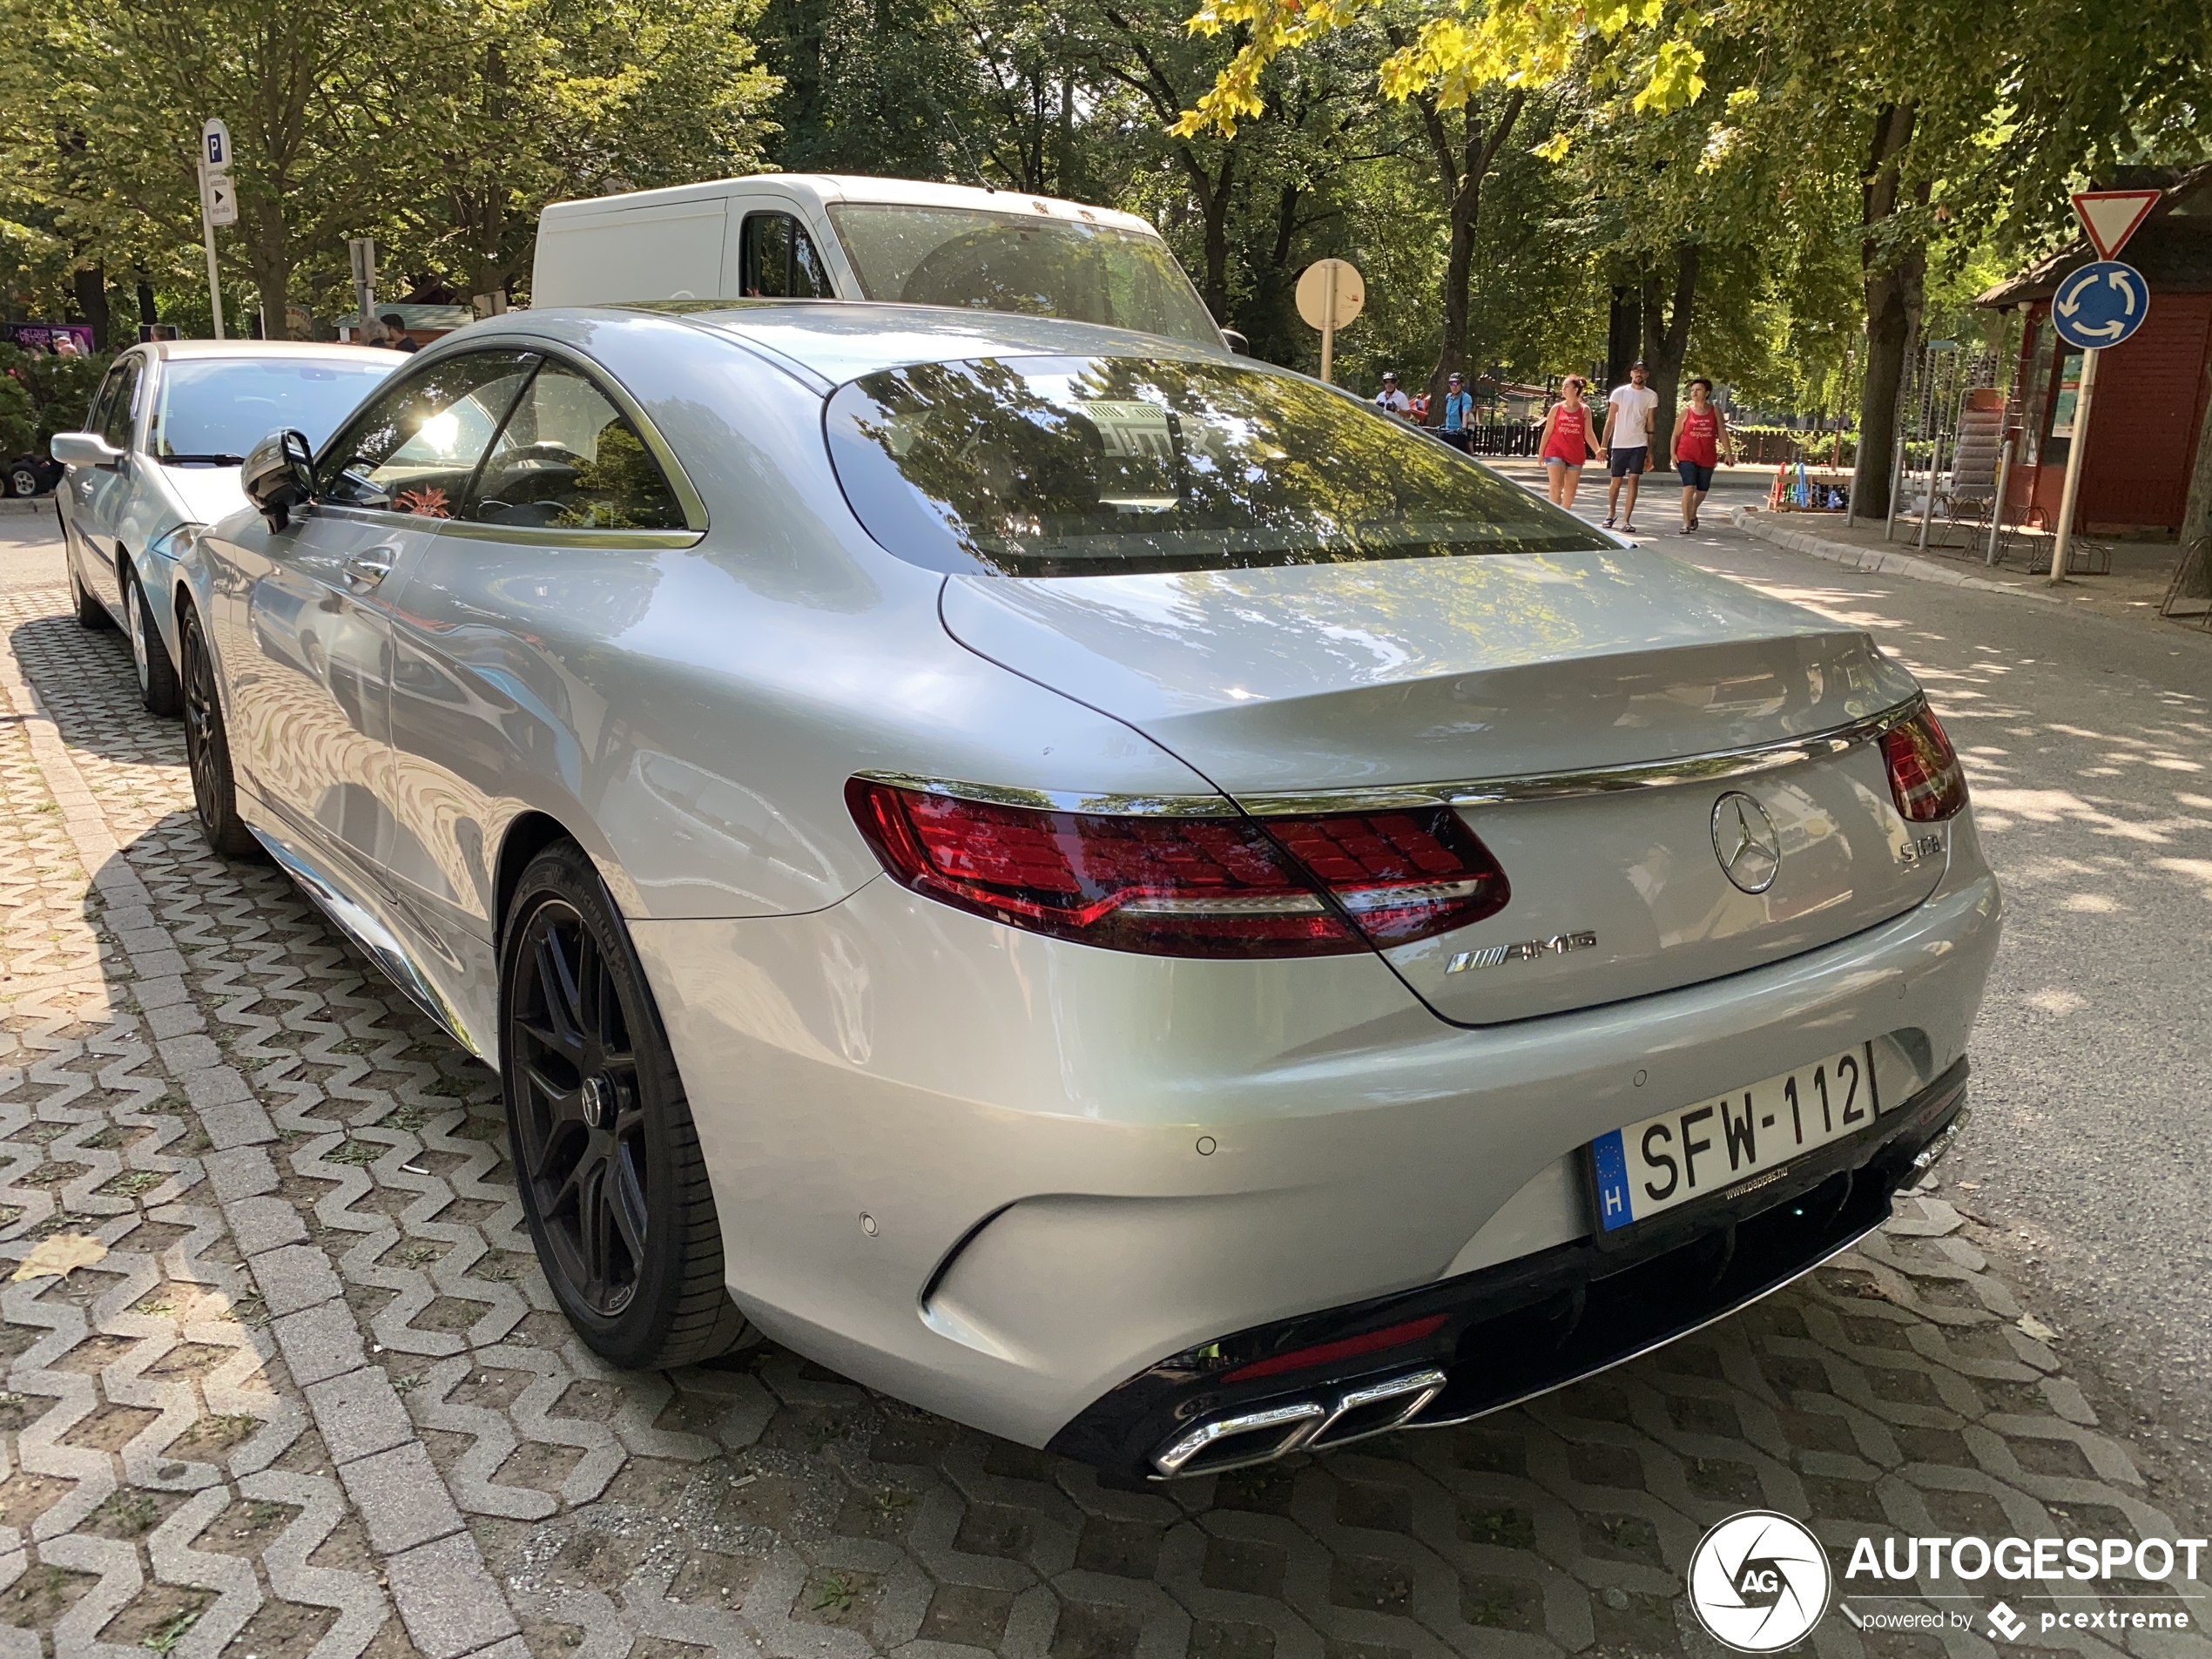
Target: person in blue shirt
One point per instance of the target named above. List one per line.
(1459, 413)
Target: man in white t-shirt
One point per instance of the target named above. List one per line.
(1629, 410)
(1390, 400)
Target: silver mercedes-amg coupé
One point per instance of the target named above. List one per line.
(1093, 885)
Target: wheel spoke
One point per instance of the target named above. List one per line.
(626, 1204)
(563, 997)
(566, 1044)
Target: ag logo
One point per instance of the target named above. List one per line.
(1758, 1581)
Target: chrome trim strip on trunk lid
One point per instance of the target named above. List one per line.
(1476, 791)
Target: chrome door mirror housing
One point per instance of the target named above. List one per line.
(83, 449)
(279, 476)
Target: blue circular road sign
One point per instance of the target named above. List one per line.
(2100, 305)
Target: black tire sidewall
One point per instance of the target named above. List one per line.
(564, 875)
(219, 822)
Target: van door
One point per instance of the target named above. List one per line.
(672, 251)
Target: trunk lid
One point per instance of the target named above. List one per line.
(1335, 678)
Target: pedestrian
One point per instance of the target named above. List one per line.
(1459, 410)
(1628, 444)
(396, 334)
(1390, 400)
(1417, 408)
(1566, 445)
(1699, 438)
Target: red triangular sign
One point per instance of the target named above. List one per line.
(2112, 216)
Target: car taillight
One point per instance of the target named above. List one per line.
(1187, 886)
(1925, 778)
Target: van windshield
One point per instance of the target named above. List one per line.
(1021, 262)
(1094, 466)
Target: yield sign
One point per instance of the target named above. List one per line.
(2112, 216)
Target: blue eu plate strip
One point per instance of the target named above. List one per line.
(1613, 1207)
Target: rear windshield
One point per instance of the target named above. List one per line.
(1021, 262)
(1089, 466)
(216, 408)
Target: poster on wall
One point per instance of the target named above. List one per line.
(2069, 394)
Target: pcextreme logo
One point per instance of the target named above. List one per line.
(1760, 1581)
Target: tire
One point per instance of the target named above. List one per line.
(22, 481)
(158, 688)
(606, 1155)
(91, 615)
(207, 749)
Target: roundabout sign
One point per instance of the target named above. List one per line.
(2100, 305)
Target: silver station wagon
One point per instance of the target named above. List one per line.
(1095, 886)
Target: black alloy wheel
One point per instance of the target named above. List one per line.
(158, 688)
(607, 1157)
(208, 748)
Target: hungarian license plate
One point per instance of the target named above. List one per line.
(1719, 1144)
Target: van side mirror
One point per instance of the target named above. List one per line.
(279, 476)
(83, 449)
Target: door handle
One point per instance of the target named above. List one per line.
(365, 571)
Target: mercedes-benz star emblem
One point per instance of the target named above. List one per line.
(1745, 842)
(598, 1103)
(1759, 1581)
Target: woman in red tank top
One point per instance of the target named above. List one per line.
(1567, 442)
(1700, 431)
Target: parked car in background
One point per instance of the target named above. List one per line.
(1101, 887)
(158, 457)
(812, 236)
(33, 474)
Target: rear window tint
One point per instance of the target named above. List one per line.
(1064, 466)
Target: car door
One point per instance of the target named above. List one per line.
(503, 627)
(103, 494)
(311, 603)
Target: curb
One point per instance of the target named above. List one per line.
(1870, 560)
(27, 506)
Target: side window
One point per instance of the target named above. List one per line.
(122, 401)
(95, 417)
(568, 460)
(778, 260)
(415, 448)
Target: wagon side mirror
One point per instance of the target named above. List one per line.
(83, 449)
(279, 476)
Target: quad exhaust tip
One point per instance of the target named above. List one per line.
(1311, 1425)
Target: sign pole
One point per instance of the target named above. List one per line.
(215, 282)
(1329, 324)
(2062, 543)
(1997, 513)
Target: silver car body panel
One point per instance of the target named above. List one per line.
(1074, 1160)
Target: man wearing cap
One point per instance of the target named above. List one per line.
(1628, 443)
(1390, 400)
(1459, 411)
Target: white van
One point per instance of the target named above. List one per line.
(817, 237)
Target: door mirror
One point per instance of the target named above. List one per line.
(279, 476)
(83, 449)
(1236, 342)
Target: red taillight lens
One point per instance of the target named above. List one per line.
(1187, 886)
(1925, 778)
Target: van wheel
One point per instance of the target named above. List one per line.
(606, 1157)
(158, 688)
(207, 749)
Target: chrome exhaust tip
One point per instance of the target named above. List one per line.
(1250, 1438)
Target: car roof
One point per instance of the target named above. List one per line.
(821, 189)
(322, 350)
(836, 341)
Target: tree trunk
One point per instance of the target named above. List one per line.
(1666, 338)
(1462, 177)
(1216, 206)
(2193, 571)
(1892, 281)
(90, 284)
(146, 311)
(1623, 331)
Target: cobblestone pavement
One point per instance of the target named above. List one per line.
(315, 1398)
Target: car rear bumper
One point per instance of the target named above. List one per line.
(1492, 1338)
(999, 1175)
